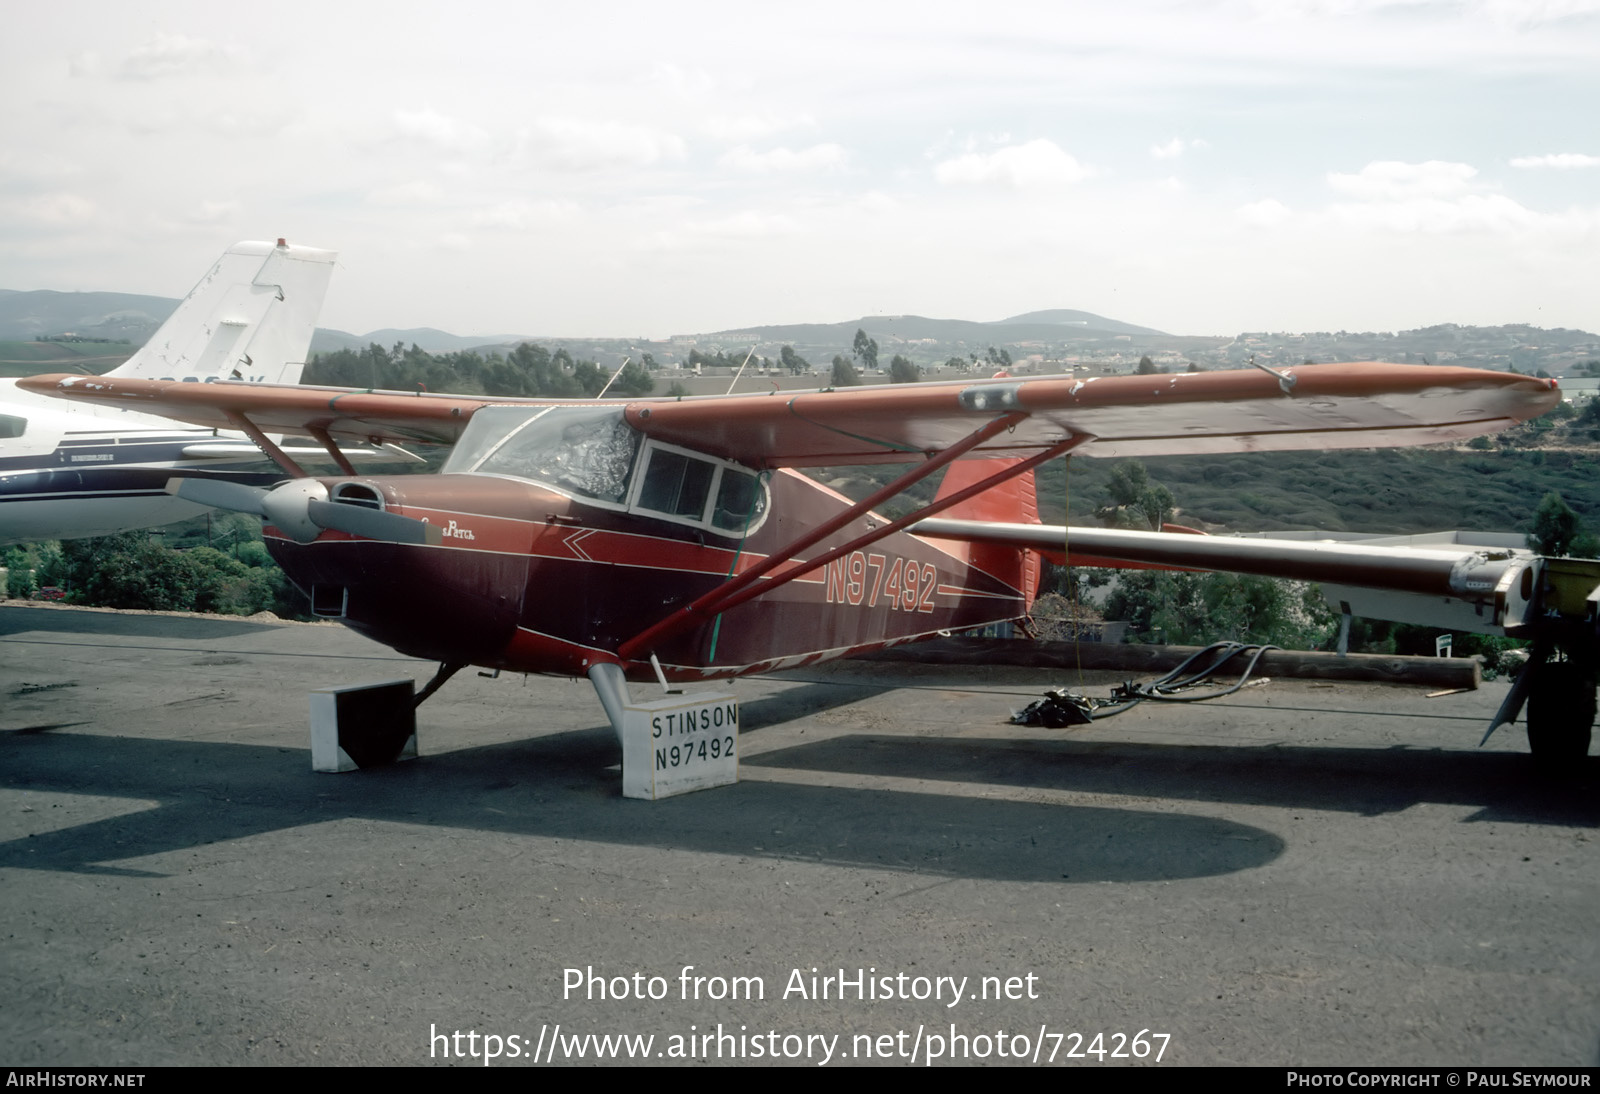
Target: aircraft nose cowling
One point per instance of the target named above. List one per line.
(422, 566)
(288, 508)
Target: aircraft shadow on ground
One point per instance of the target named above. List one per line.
(1369, 781)
(123, 624)
(560, 787)
(800, 702)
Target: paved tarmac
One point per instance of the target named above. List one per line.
(1304, 873)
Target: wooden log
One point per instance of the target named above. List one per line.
(1438, 672)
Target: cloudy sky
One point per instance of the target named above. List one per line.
(651, 169)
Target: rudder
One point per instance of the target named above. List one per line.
(251, 317)
(1014, 501)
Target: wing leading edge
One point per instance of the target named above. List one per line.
(1357, 405)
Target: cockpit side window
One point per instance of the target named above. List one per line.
(12, 426)
(677, 484)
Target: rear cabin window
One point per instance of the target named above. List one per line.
(741, 502)
(701, 490)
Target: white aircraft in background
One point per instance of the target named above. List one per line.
(69, 471)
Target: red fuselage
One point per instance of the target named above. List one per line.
(530, 579)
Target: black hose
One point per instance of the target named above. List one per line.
(1165, 689)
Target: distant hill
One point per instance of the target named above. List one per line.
(1066, 317)
(25, 316)
(28, 314)
(427, 338)
(1048, 334)
(1056, 326)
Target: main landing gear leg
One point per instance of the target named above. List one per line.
(612, 687)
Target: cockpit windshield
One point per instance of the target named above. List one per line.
(585, 450)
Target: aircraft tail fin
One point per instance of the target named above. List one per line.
(1014, 501)
(251, 317)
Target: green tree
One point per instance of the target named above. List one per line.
(902, 371)
(866, 351)
(634, 380)
(49, 567)
(128, 571)
(1558, 533)
(844, 373)
(797, 365)
(999, 358)
(1133, 501)
(1147, 367)
(590, 380)
(227, 586)
(19, 563)
(1198, 609)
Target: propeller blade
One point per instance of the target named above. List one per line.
(218, 493)
(358, 520)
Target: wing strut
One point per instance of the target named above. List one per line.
(738, 590)
(321, 436)
(263, 442)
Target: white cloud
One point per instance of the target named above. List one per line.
(689, 83)
(877, 203)
(1174, 148)
(87, 63)
(213, 212)
(749, 225)
(819, 157)
(174, 55)
(1037, 163)
(570, 144)
(1532, 13)
(36, 167)
(412, 193)
(1392, 180)
(743, 227)
(60, 210)
(438, 129)
(1561, 161)
(522, 215)
(1432, 198)
(1475, 213)
(749, 127)
(1266, 213)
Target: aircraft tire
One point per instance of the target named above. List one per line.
(1561, 712)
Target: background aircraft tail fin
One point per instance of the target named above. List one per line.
(251, 317)
(1012, 502)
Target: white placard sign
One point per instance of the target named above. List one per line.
(679, 744)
